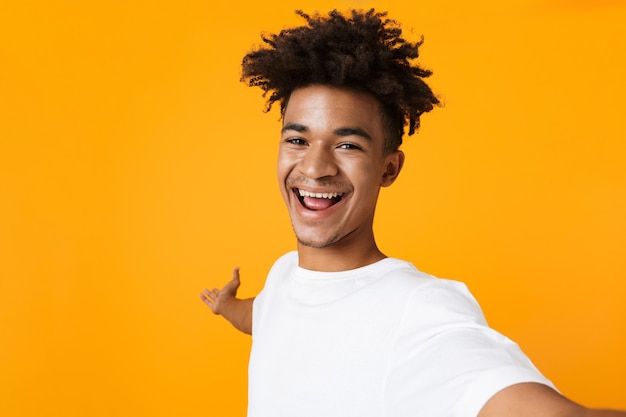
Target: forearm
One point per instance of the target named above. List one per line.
(239, 313)
(604, 413)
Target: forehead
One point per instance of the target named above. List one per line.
(320, 107)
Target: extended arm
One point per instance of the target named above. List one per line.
(225, 302)
(536, 400)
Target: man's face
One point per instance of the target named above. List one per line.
(331, 165)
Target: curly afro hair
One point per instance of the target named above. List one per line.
(360, 50)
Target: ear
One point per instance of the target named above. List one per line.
(394, 163)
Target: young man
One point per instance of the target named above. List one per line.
(341, 329)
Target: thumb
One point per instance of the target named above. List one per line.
(235, 279)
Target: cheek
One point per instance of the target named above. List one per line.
(282, 172)
(366, 174)
(285, 158)
(284, 167)
(368, 186)
(281, 166)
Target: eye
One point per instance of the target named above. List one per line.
(349, 145)
(296, 141)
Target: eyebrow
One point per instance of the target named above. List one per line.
(342, 131)
(295, 127)
(353, 131)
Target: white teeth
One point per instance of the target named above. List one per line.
(304, 193)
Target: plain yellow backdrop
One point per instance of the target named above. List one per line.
(135, 169)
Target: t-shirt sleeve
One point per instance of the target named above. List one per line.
(279, 271)
(446, 361)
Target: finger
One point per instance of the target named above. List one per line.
(206, 300)
(236, 273)
(210, 295)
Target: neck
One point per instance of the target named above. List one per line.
(338, 257)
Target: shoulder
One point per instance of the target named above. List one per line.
(425, 291)
(282, 268)
(430, 304)
(443, 294)
(289, 259)
(443, 334)
(423, 301)
(285, 263)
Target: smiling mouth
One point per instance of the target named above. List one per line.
(317, 201)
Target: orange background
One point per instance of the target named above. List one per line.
(135, 169)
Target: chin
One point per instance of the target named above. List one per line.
(315, 242)
(312, 244)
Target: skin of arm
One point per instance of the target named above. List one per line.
(537, 400)
(225, 302)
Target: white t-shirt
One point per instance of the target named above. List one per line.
(381, 340)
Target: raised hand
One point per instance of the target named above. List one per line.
(225, 302)
(218, 300)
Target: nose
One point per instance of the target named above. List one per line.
(318, 162)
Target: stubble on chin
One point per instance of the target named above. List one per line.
(314, 243)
